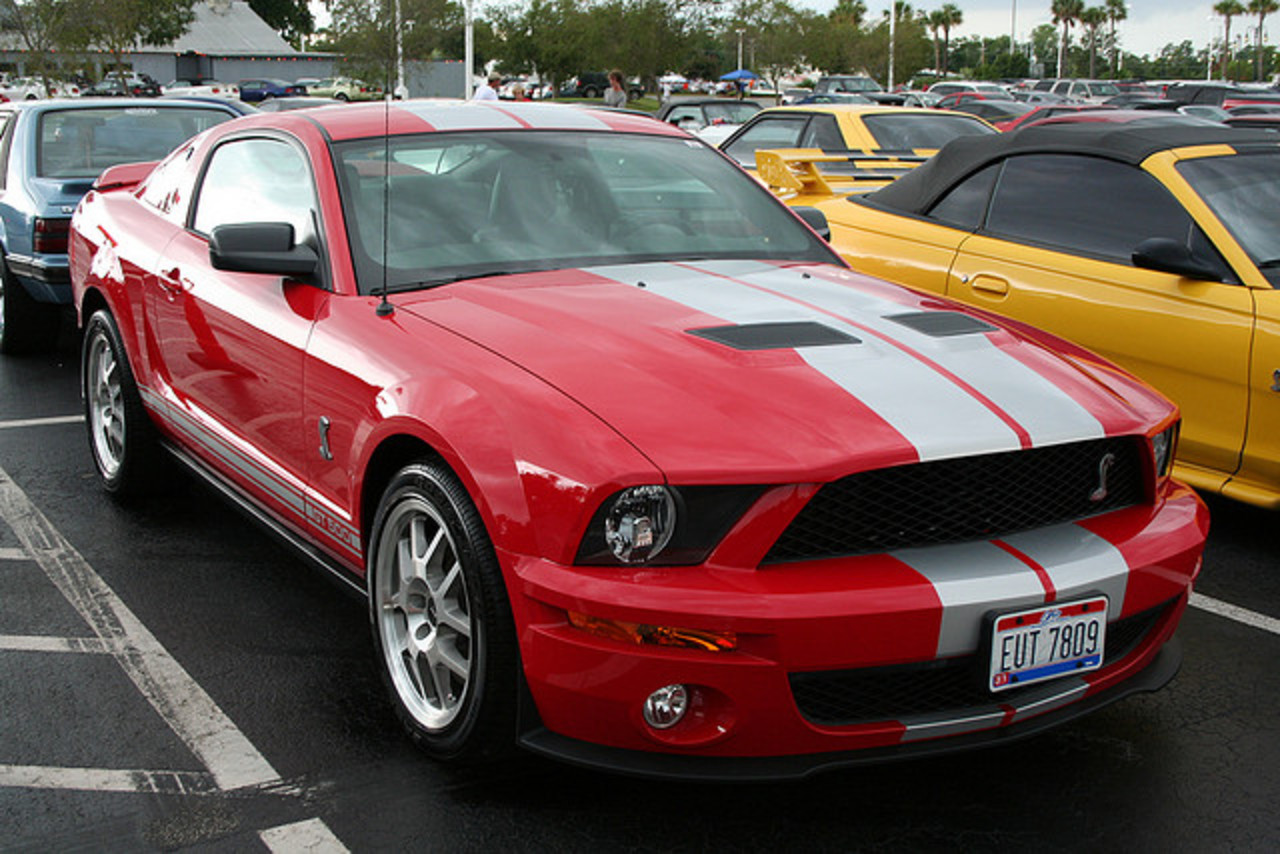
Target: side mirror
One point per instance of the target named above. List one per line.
(260, 247)
(1166, 255)
(815, 219)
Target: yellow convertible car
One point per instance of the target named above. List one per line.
(1155, 246)
(889, 141)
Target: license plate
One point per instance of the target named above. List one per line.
(1047, 642)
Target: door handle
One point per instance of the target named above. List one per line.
(172, 283)
(993, 285)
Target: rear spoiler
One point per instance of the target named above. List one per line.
(794, 171)
(124, 176)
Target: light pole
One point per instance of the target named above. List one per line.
(468, 49)
(740, 31)
(1013, 29)
(893, 17)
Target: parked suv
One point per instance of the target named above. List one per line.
(593, 84)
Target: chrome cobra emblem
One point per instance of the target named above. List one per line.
(1105, 465)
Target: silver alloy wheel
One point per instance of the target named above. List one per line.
(424, 614)
(106, 404)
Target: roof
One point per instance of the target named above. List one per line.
(373, 119)
(1128, 143)
(229, 27)
(849, 108)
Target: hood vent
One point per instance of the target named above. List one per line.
(775, 336)
(942, 324)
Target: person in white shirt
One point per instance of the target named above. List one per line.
(489, 91)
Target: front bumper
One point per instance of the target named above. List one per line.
(919, 608)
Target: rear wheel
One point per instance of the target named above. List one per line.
(591, 92)
(441, 620)
(342, 96)
(126, 450)
(26, 326)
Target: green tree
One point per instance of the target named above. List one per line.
(1228, 9)
(933, 22)
(291, 18)
(1065, 14)
(777, 34)
(1261, 8)
(837, 42)
(42, 26)
(1116, 11)
(120, 26)
(1092, 20)
(950, 17)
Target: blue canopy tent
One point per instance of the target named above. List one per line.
(739, 78)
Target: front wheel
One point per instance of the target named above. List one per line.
(441, 620)
(126, 450)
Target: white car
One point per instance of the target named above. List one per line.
(31, 89)
(201, 86)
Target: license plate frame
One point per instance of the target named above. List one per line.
(1034, 645)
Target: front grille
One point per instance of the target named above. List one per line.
(846, 697)
(968, 498)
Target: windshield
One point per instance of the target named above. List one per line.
(1244, 192)
(731, 112)
(82, 143)
(462, 205)
(906, 131)
(1103, 90)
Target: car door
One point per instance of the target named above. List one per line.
(230, 346)
(1055, 251)
(1260, 465)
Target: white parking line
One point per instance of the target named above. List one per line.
(184, 705)
(1235, 612)
(310, 836)
(14, 554)
(108, 780)
(41, 643)
(41, 422)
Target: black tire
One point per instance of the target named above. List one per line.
(122, 440)
(341, 96)
(26, 326)
(591, 92)
(440, 612)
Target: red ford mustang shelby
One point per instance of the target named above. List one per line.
(632, 470)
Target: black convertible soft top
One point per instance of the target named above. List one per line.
(916, 191)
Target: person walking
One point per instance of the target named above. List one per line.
(616, 95)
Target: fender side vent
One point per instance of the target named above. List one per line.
(775, 336)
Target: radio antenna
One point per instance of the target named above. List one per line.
(385, 308)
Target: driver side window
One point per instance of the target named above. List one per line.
(257, 180)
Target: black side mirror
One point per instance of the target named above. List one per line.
(815, 219)
(1166, 255)
(260, 247)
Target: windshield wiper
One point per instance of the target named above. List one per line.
(1270, 264)
(427, 284)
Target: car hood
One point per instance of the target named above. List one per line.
(784, 372)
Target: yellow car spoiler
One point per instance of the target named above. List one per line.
(799, 171)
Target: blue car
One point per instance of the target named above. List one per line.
(50, 154)
(266, 88)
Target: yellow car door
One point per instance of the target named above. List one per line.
(1057, 252)
(1259, 472)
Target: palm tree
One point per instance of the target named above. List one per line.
(1066, 13)
(933, 20)
(1116, 11)
(1092, 19)
(1261, 8)
(1228, 9)
(950, 17)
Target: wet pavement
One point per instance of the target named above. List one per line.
(170, 678)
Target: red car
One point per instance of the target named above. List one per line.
(633, 471)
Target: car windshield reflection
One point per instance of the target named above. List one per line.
(468, 204)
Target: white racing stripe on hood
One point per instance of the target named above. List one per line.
(1078, 562)
(970, 580)
(938, 417)
(1048, 413)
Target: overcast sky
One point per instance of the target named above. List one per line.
(1151, 24)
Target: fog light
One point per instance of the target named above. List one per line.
(666, 706)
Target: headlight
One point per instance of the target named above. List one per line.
(1163, 445)
(663, 525)
(640, 523)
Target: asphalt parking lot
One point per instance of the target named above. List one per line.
(171, 679)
